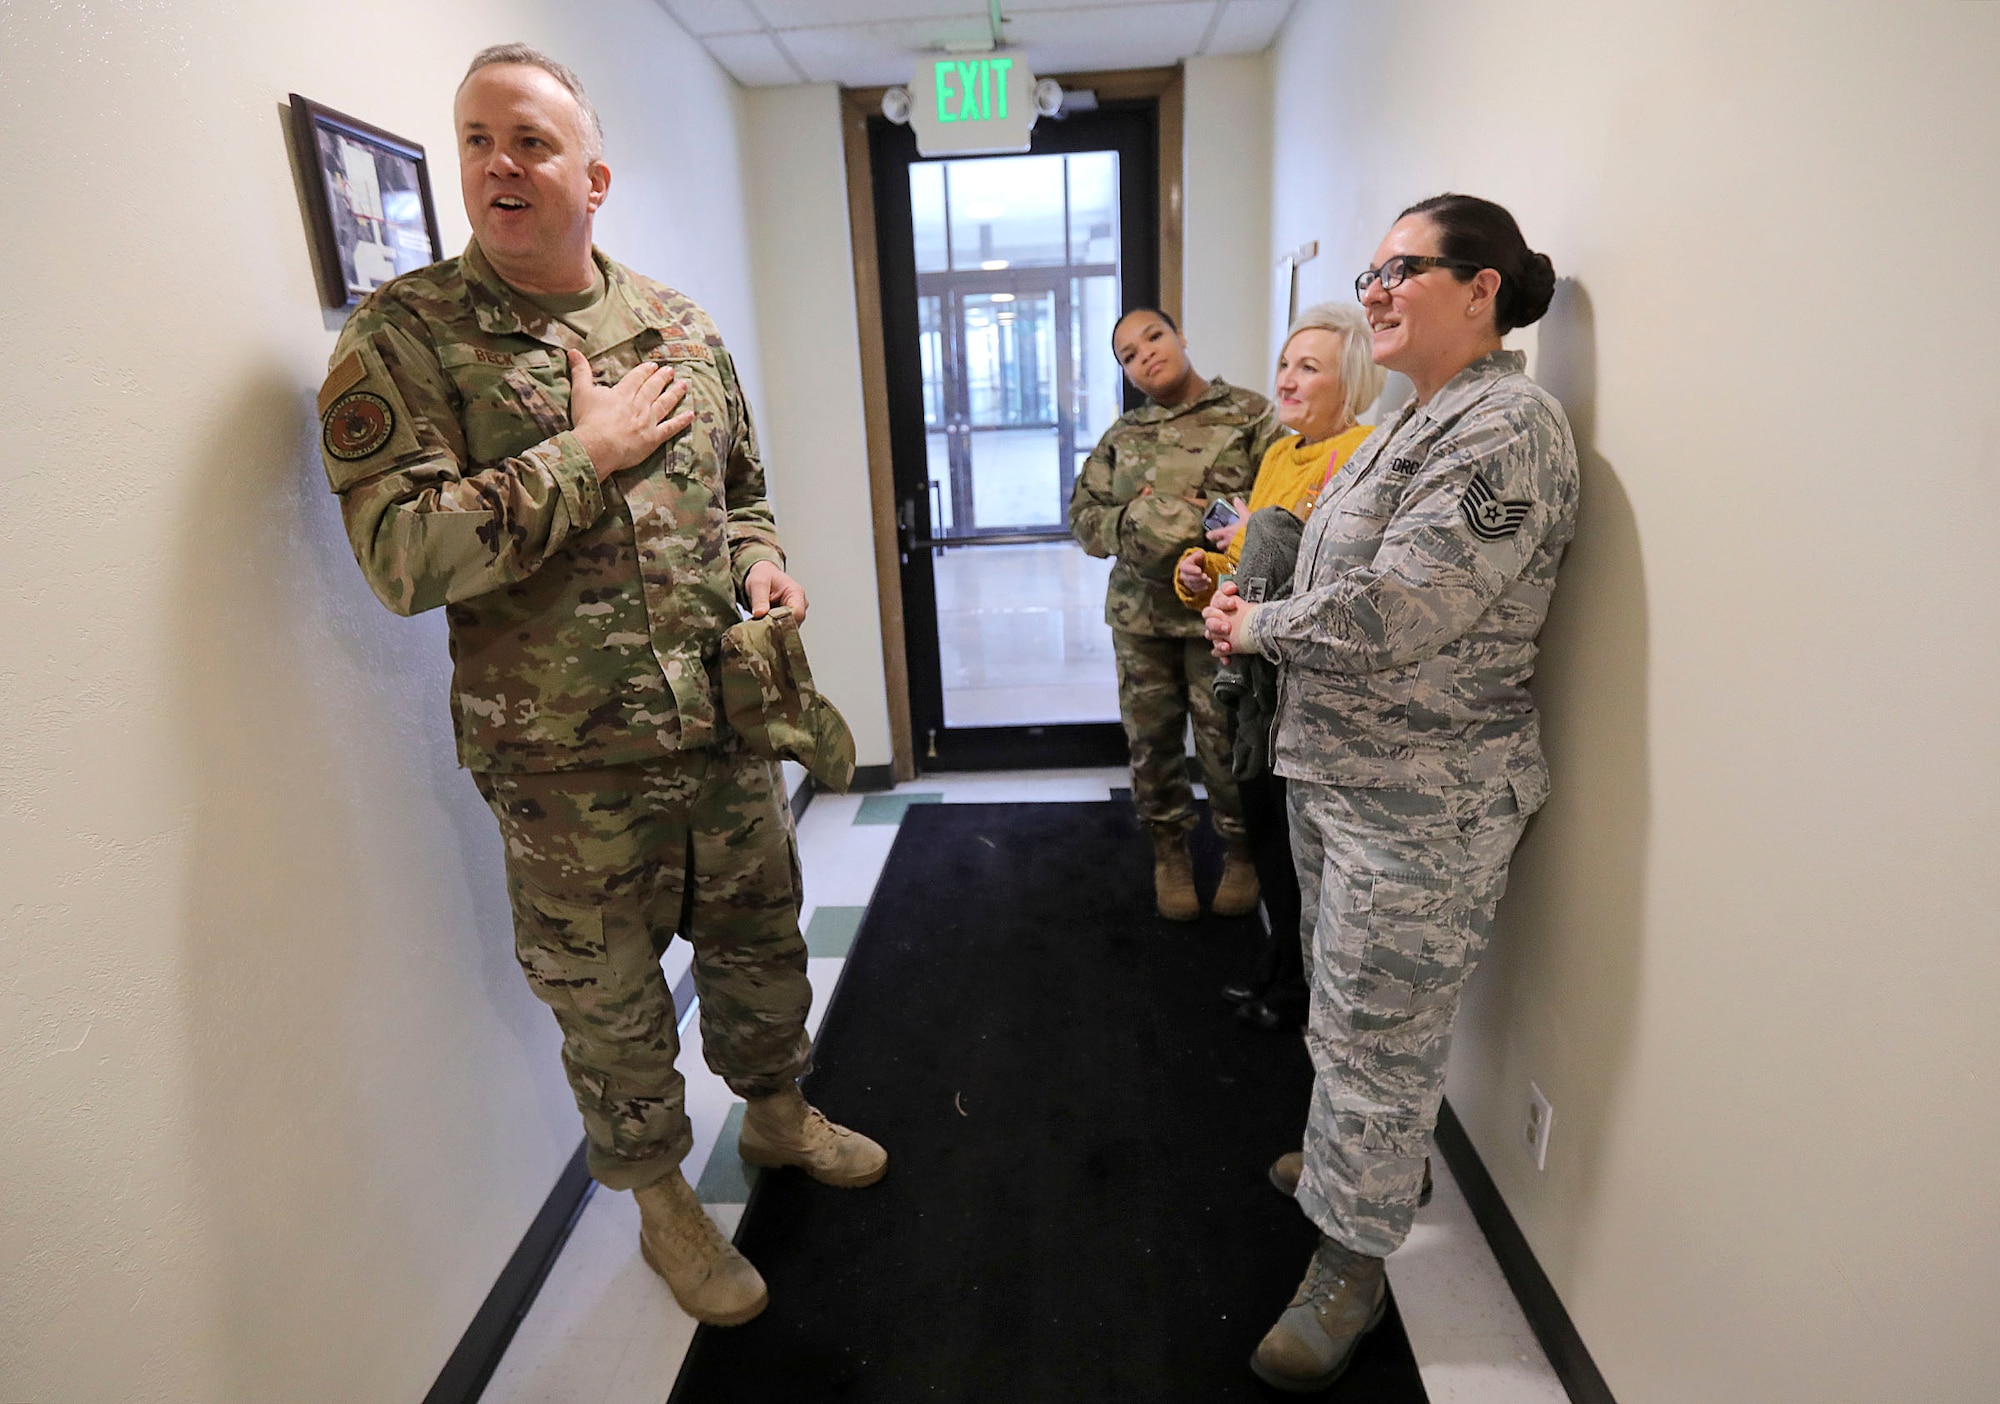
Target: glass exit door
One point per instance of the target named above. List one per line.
(1002, 278)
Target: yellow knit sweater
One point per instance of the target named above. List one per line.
(1291, 477)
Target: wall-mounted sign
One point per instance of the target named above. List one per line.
(974, 104)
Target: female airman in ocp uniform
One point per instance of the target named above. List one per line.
(1141, 497)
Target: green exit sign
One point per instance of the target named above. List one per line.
(972, 106)
(972, 92)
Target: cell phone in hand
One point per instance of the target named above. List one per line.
(1220, 513)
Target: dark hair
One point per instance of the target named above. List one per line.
(1129, 313)
(1479, 231)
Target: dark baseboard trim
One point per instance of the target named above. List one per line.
(1537, 1295)
(478, 1354)
(869, 779)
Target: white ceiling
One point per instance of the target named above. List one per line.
(862, 43)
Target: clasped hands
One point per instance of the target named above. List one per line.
(1222, 621)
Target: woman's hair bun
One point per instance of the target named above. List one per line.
(1533, 288)
(1485, 235)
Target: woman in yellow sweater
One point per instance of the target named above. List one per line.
(1326, 378)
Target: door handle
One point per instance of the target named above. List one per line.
(906, 527)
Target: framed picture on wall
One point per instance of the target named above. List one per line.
(368, 195)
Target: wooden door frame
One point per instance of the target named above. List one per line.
(857, 105)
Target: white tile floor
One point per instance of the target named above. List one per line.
(605, 1331)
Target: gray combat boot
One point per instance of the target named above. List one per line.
(785, 1129)
(1342, 1299)
(1173, 874)
(711, 1280)
(1289, 1168)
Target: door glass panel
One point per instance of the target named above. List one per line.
(927, 216)
(1010, 358)
(1018, 286)
(938, 451)
(930, 350)
(1097, 385)
(1022, 636)
(1093, 207)
(1006, 212)
(1014, 479)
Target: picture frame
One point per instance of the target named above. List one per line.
(368, 199)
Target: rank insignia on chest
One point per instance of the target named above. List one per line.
(1490, 516)
(356, 425)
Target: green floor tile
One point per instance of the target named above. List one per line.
(726, 1179)
(888, 809)
(831, 930)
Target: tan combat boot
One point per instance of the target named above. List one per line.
(1288, 1169)
(1236, 895)
(711, 1280)
(785, 1129)
(1173, 875)
(1342, 1299)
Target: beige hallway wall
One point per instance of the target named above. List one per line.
(279, 1104)
(1749, 950)
(1227, 295)
(811, 424)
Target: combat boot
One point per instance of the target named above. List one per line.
(1236, 895)
(711, 1280)
(785, 1129)
(1342, 1299)
(1173, 874)
(1289, 1168)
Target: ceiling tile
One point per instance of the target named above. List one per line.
(1248, 26)
(752, 60)
(1120, 36)
(705, 17)
(1025, 6)
(862, 55)
(824, 14)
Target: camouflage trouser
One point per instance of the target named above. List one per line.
(1399, 888)
(603, 868)
(1160, 682)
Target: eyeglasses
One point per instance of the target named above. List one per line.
(1394, 270)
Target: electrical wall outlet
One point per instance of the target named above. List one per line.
(1536, 1133)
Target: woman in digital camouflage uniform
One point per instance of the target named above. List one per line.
(1407, 736)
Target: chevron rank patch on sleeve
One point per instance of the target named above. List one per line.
(1490, 516)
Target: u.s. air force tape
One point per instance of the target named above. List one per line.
(356, 425)
(1490, 516)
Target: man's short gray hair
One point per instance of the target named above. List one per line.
(593, 130)
(1358, 371)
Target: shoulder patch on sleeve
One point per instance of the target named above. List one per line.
(364, 425)
(340, 380)
(356, 425)
(1490, 516)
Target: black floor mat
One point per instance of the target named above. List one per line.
(1078, 1130)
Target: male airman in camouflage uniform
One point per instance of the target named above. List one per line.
(1140, 497)
(558, 451)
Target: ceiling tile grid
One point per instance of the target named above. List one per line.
(863, 43)
(754, 60)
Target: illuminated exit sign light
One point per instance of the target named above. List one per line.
(972, 106)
